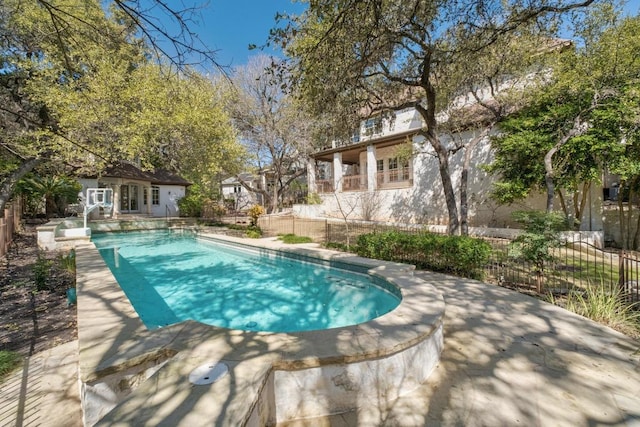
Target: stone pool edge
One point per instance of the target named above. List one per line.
(122, 364)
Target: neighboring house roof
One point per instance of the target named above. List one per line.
(130, 171)
(233, 180)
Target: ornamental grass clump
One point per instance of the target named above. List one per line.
(606, 305)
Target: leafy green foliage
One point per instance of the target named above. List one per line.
(293, 239)
(368, 57)
(314, 199)
(253, 232)
(192, 204)
(42, 272)
(460, 255)
(541, 234)
(9, 360)
(80, 88)
(56, 192)
(254, 213)
(584, 117)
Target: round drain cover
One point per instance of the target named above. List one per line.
(208, 373)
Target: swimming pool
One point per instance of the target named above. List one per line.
(129, 372)
(170, 277)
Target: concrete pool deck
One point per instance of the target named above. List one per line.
(508, 359)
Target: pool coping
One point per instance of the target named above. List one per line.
(120, 358)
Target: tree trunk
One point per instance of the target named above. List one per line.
(274, 201)
(548, 177)
(577, 129)
(563, 205)
(586, 190)
(447, 185)
(430, 132)
(8, 185)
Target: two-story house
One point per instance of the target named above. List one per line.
(388, 172)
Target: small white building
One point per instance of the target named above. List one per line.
(149, 193)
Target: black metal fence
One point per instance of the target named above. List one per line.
(577, 264)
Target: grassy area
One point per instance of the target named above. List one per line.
(293, 239)
(571, 268)
(8, 362)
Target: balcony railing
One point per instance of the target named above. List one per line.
(394, 178)
(324, 185)
(354, 182)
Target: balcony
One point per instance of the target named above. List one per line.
(325, 185)
(354, 183)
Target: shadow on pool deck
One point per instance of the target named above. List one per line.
(508, 359)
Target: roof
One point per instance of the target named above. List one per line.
(244, 176)
(158, 176)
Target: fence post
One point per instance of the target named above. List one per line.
(3, 230)
(326, 231)
(621, 274)
(8, 236)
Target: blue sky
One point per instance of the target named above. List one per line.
(229, 26)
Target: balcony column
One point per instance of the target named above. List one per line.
(337, 172)
(372, 169)
(311, 177)
(116, 200)
(149, 198)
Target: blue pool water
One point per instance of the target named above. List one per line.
(171, 277)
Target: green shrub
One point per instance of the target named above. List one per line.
(254, 213)
(460, 255)
(541, 234)
(314, 199)
(41, 272)
(51, 192)
(253, 232)
(293, 239)
(9, 360)
(191, 205)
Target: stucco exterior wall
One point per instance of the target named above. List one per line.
(424, 202)
(168, 202)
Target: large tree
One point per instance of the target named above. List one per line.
(583, 121)
(355, 56)
(78, 84)
(273, 128)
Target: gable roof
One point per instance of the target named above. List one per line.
(130, 171)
